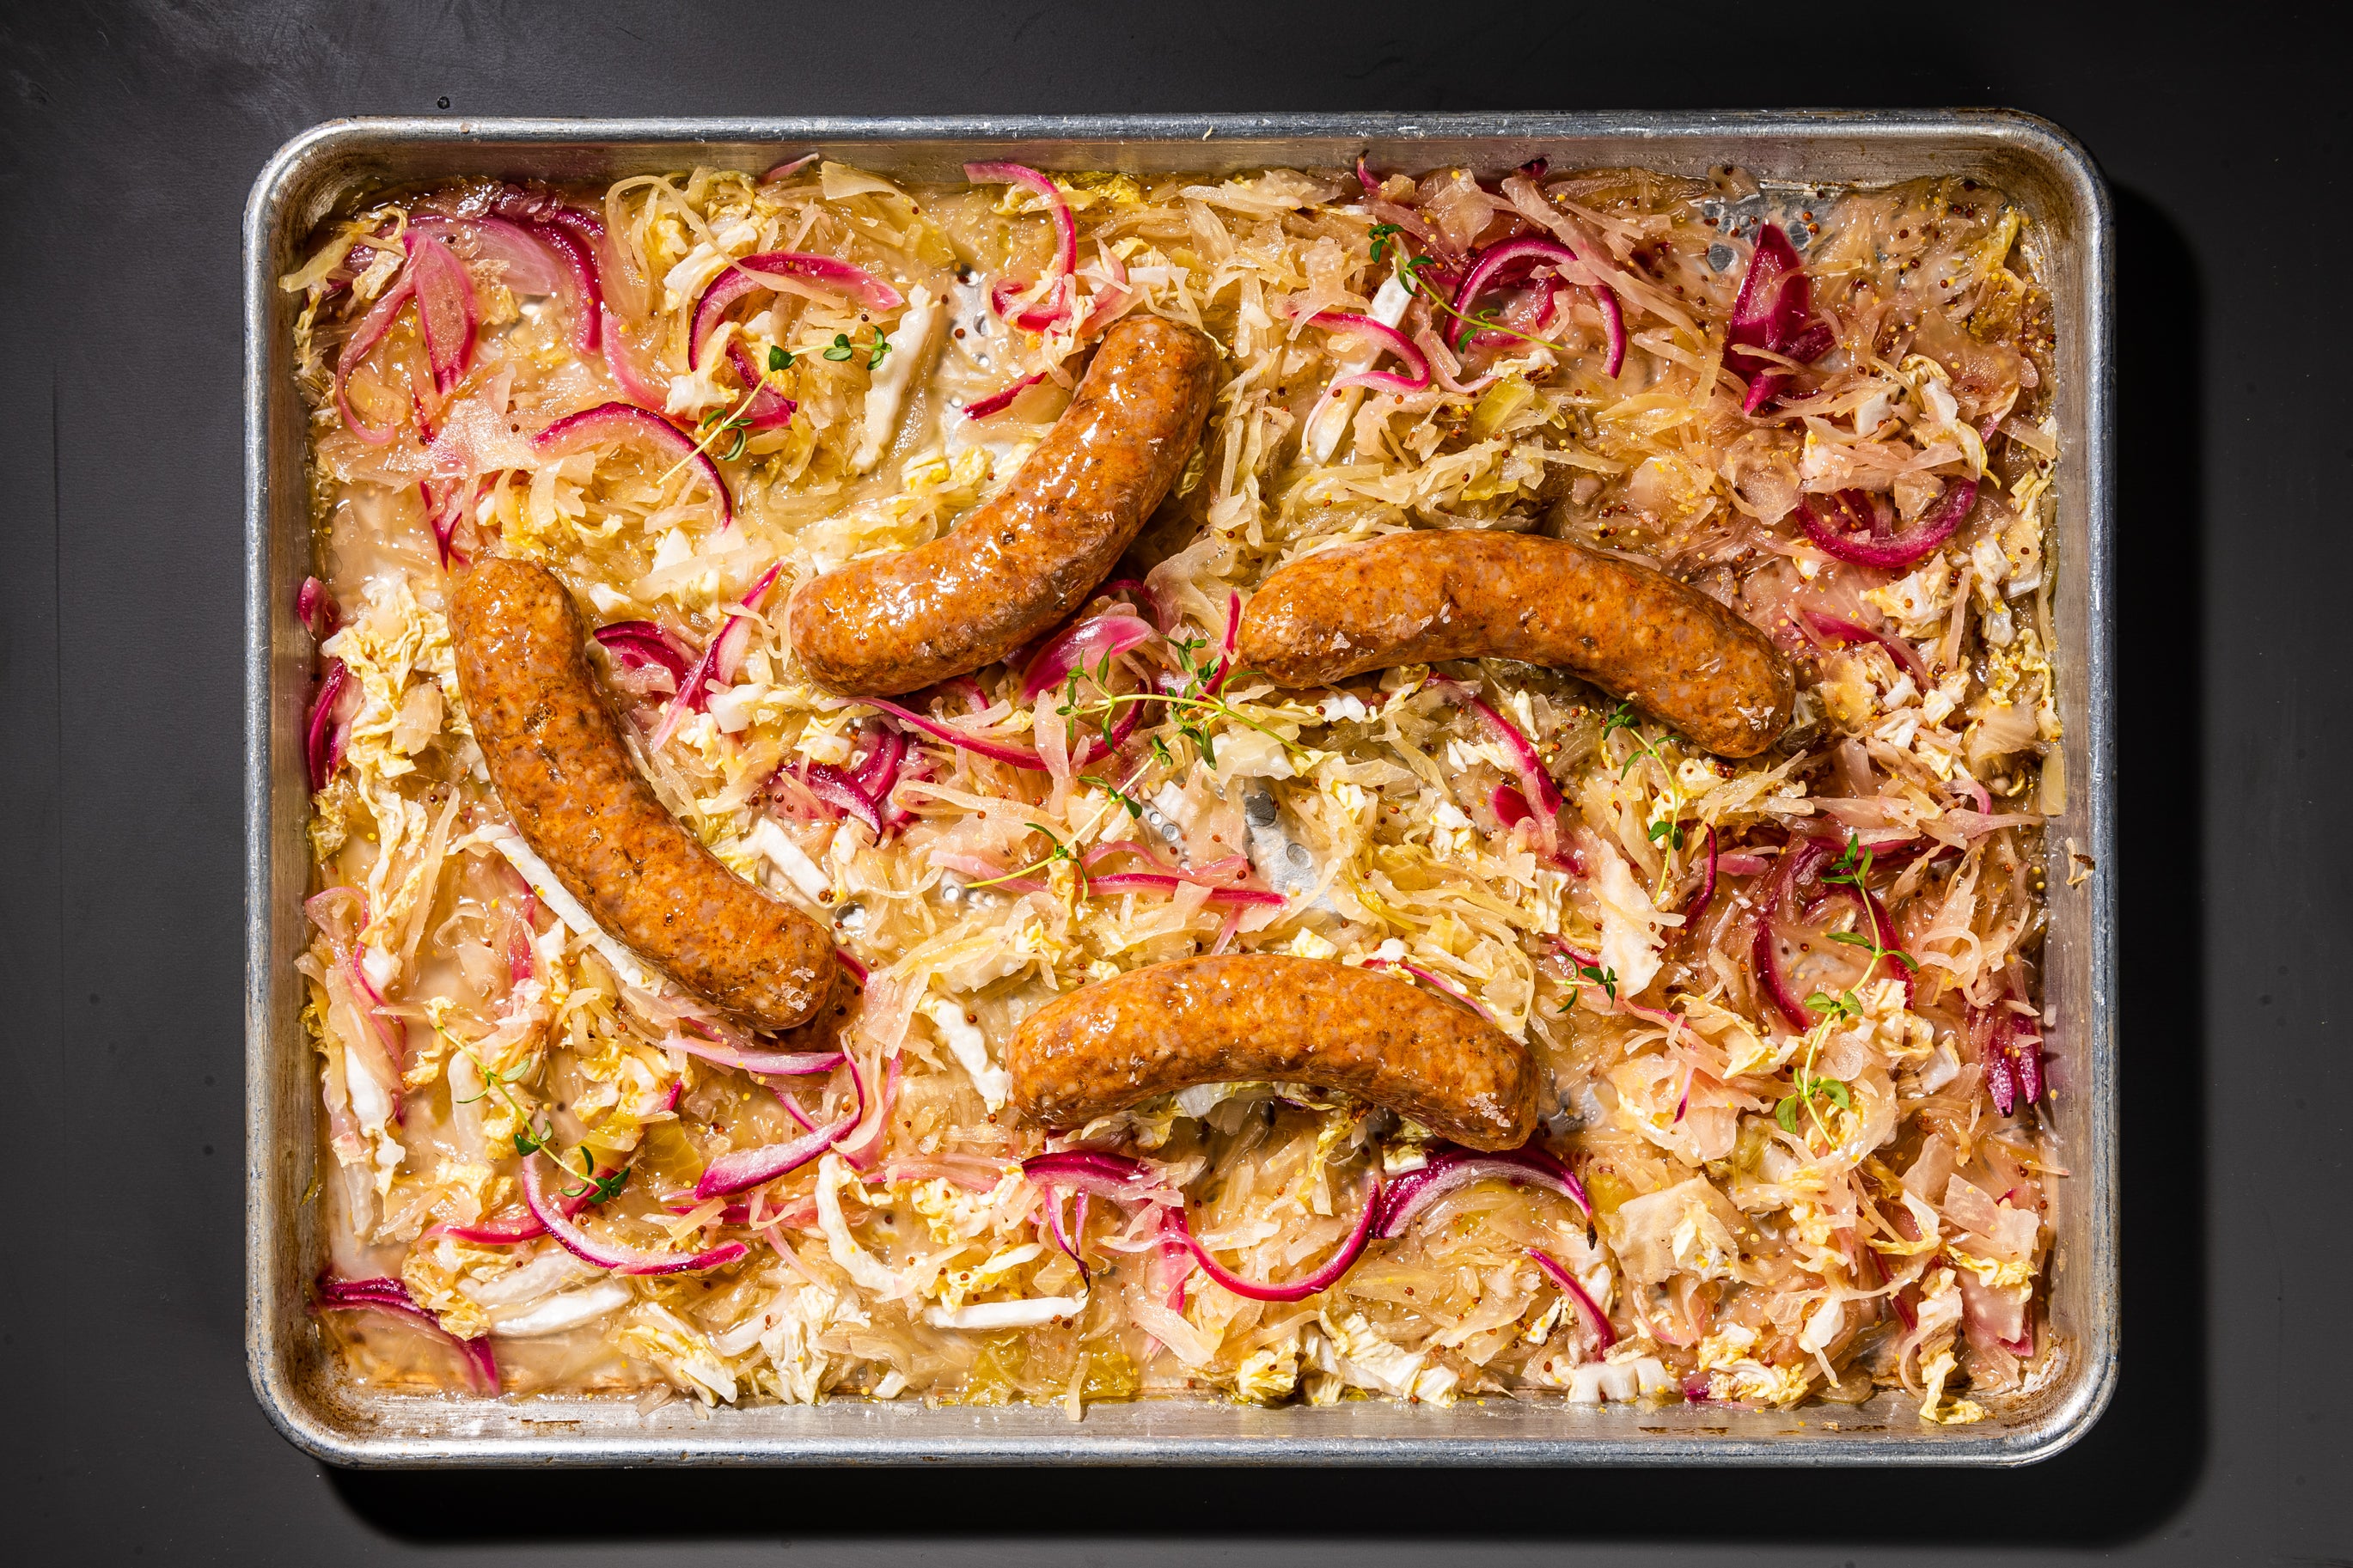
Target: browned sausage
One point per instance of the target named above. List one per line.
(556, 756)
(1292, 1020)
(1030, 556)
(1417, 598)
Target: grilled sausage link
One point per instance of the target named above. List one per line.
(1027, 558)
(1416, 598)
(556, 756)
(1263, 1015)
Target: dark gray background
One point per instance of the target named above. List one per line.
(129, 136)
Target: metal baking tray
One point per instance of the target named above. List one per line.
(334, 166)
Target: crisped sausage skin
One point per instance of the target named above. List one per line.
(1030, 556)
(1420, 597)
(556, 756)
(1265, 1015)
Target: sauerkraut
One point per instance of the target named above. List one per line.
(1789, 1008)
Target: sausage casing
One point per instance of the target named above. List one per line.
(1420, 597)
(556, 756)
(1265, 1015)
(1028, 557)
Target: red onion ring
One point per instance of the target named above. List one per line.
(769, 409)
(1228, 645)
(612, 1256)
(1451, 1168)
(1093, 751)
(767, 270)
(445, 310)
(1774, 302)
(1082, 646)
(1706, 888)
(1576, 1292)
(726, 652)
(619, 359)
(1898, 552)
(1536, 781)
(392, 1298)
(997, 402)
(1321, 1279)
(640, 643)
(1493, 261)
(1437, 983)
(1056, 285)
(610, 424)
(323, 738)
(743, 1168)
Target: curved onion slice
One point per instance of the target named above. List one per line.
(779, 1064)
(392, 1298)
(524, 1227)
(610, 1255)
(766, 271)
(838, 790)
(1114, 1177)
(1227, 645)
(719, 660)
(445, 309)
(1576, 1292)
(1451, 1168)
(1094, 752)
(1493, 261)
(1322, 1278)
(768, 409)
(640, 643)
(1776, 302)
(999, 401)
(610, 424)
(315, 608)
(324, 739)
(1866, 546)
(1050, 301)
(1698, 905)
(1833, 629)
(1082, 646)
(1391, 340)
(1437, 983)
(1536, 788)
(741, 1168)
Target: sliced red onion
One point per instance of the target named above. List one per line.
(640, 643)
(828, 272)
(1052, 302)
(1843, 631)
(366, 335)
(837, 789)
(1114, 1177)
(1536, 782)
(392, 1298)
(315, 608)
(860, 1145)
(999, 401)
(857, 966)
(877, 770)
(1771, 311)
(1228, 645)
(1783, 994)
(1093, 751)
(769, 409)
(524, 1227)
(778, 1064)
(325, 738)
(1576, 1292)
(1438, 982)
(610, 424)
(610, 1255)
(1511, 254)
(620, 360)
(445, 309)
(1068, 1240)
(2000, 1083)
(743, 1168)
(1890, 551)
(1453, 1168)
(1161, 882)
(720, 660)
(1082, 647)
(1321, 1279)
(787, 168)
(1706, 887)
(583, 291)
